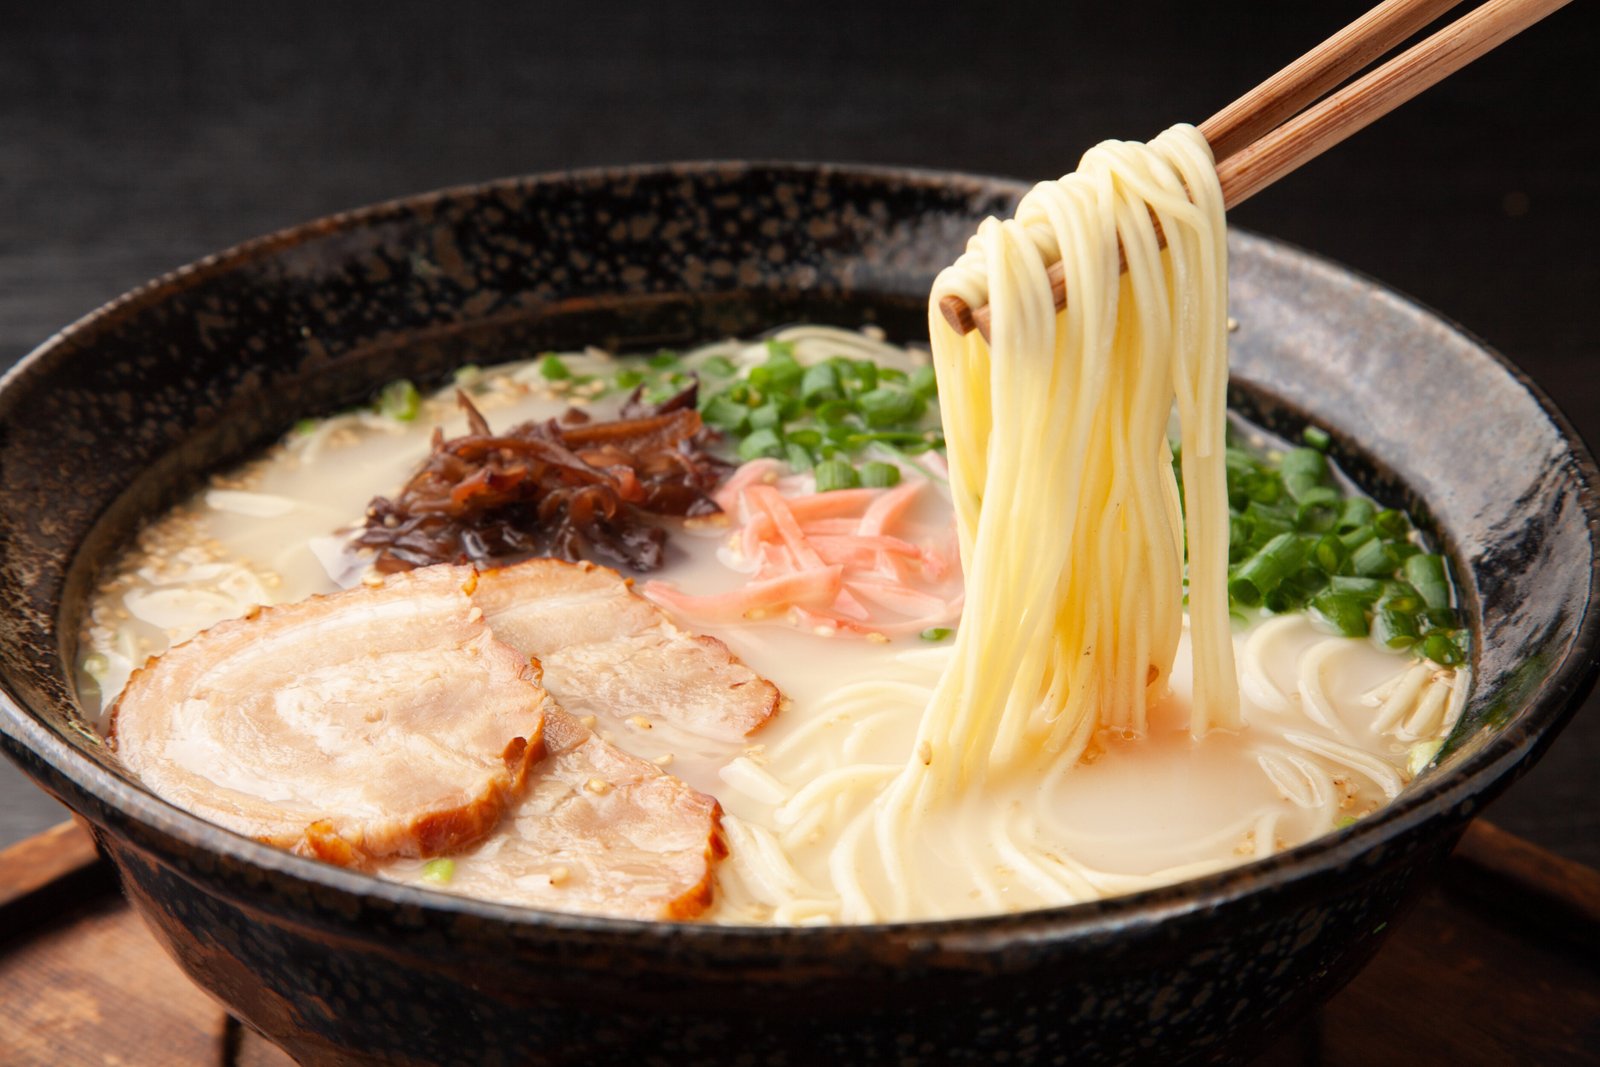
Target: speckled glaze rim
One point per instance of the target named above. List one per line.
(1482, 771)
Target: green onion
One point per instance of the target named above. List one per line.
(1240, 530)
(400, 400)
(1318, 510)
(888, 405)
(725, 413)
(1303, 470)
(780, 348)
(1263, 572)
(886, 437)
(1263, 487)
(1392, 524)
(439, 871)
(719, 367)
(760, 443)
(1398, 596)
(924, 382)
(1394, 629)
(553, 368)
(1330, 554)
(936, 633)
(877, 475)
(1296, 542)
(1403, 550)
(1442, 618)
(627, 378)
(835, 412)
(1268, 522)
(1374, 559)
(1425, 571)
(467, 374)
(862, 375)
(305, 426)
(1443, 650)
(1357, 512)
(1367, 590)
(768, 416)
(835, 474)
(1339, 613)
(779, 372)
(1354, 539)
(666, 357)
(820, 382)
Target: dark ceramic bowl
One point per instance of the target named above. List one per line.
(124, 411)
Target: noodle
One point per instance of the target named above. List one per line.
(1071, 533)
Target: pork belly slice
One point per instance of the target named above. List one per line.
(608, 652)
(599, 832)
(380, 721)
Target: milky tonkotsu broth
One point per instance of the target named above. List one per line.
(1336, 726)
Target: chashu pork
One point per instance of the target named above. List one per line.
(381, 721)
(599, 832)
(609, 652)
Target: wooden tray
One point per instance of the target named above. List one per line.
(1498, 964)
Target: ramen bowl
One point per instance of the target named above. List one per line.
(123, 413)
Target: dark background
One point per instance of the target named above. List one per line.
(136, 137)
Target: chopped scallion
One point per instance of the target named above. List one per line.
(760, 443)
(1392, 524)
(1303, 470)
(768, 416)
(820, 383)
(1443, 650)
(1394, 628)
(876, 475)
(1425, 571)
(1339, 613)
(888, 405)
(835, 474)
(1374, 559)
(1265, 571)
(400, 400)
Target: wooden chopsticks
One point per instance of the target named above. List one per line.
(1271, 131)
